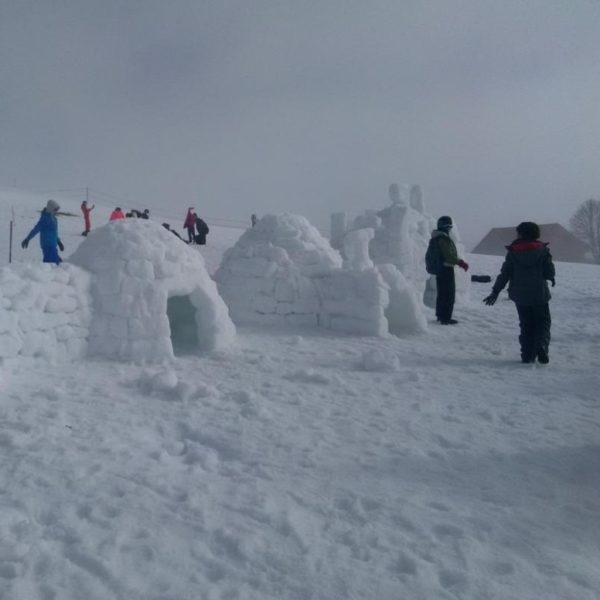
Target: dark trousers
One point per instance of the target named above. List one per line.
(534, 322)
(191, 231)
(446, 291)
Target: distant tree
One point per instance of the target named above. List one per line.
(585, 224)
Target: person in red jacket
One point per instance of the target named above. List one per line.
(116, 214)
(190, 224)
(86, 210)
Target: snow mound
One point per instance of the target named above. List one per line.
(152, 295)
(44, 312)
(283, 272)
(266, 277)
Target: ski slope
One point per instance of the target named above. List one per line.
(305, 465)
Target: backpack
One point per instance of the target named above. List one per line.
(433, 257)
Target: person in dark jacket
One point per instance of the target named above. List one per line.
(527, 269)
(445, 282)
(47, 227)
(202, 229)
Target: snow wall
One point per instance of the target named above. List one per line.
(137, 266)
(45, 311)
(283, 272)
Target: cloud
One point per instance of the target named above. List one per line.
(306, 106)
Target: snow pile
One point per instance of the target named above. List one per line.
(151, 294)
(284, 272)
(44, 311)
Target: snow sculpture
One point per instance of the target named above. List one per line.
(44, 311)
(401, 236)
(151, 294)
(356, 249)
(338, 230)
(283, 272)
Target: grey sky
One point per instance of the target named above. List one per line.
(306, 106)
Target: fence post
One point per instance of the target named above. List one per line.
(10, 239)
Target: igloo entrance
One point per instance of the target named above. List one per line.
(182, 321)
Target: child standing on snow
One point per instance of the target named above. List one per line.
(527, 269)
(190, 224)
(445, 282)
(203, 230)
(47, 227)
(86, 216)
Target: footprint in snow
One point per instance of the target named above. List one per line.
(454, 581)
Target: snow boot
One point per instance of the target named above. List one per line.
(449, 322)
(543, 357)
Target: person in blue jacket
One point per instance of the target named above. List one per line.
(47, 227)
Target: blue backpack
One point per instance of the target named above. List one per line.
(433, 257)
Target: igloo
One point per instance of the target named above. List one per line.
(152, 295)
(284, 272)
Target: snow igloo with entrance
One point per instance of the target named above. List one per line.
(152, 295)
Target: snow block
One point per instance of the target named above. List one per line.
(45, 312)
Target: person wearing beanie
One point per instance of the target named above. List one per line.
(445, 281)
(47, 227)
(527, 269)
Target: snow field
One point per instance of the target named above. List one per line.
(304, 465)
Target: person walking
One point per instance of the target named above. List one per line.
(86, 210)
(253, 219)
(190, 224)
(527, 269)
(445, 281)
(117, 214)
(47, 227)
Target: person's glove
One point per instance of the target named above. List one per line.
(61, 246)
(553, 282)
(24, 244)
(491, 299)
(463, 265)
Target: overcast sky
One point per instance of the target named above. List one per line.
(493, 107)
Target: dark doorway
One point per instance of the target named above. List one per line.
(182, 320)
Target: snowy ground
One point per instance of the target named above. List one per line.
(312, 466)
